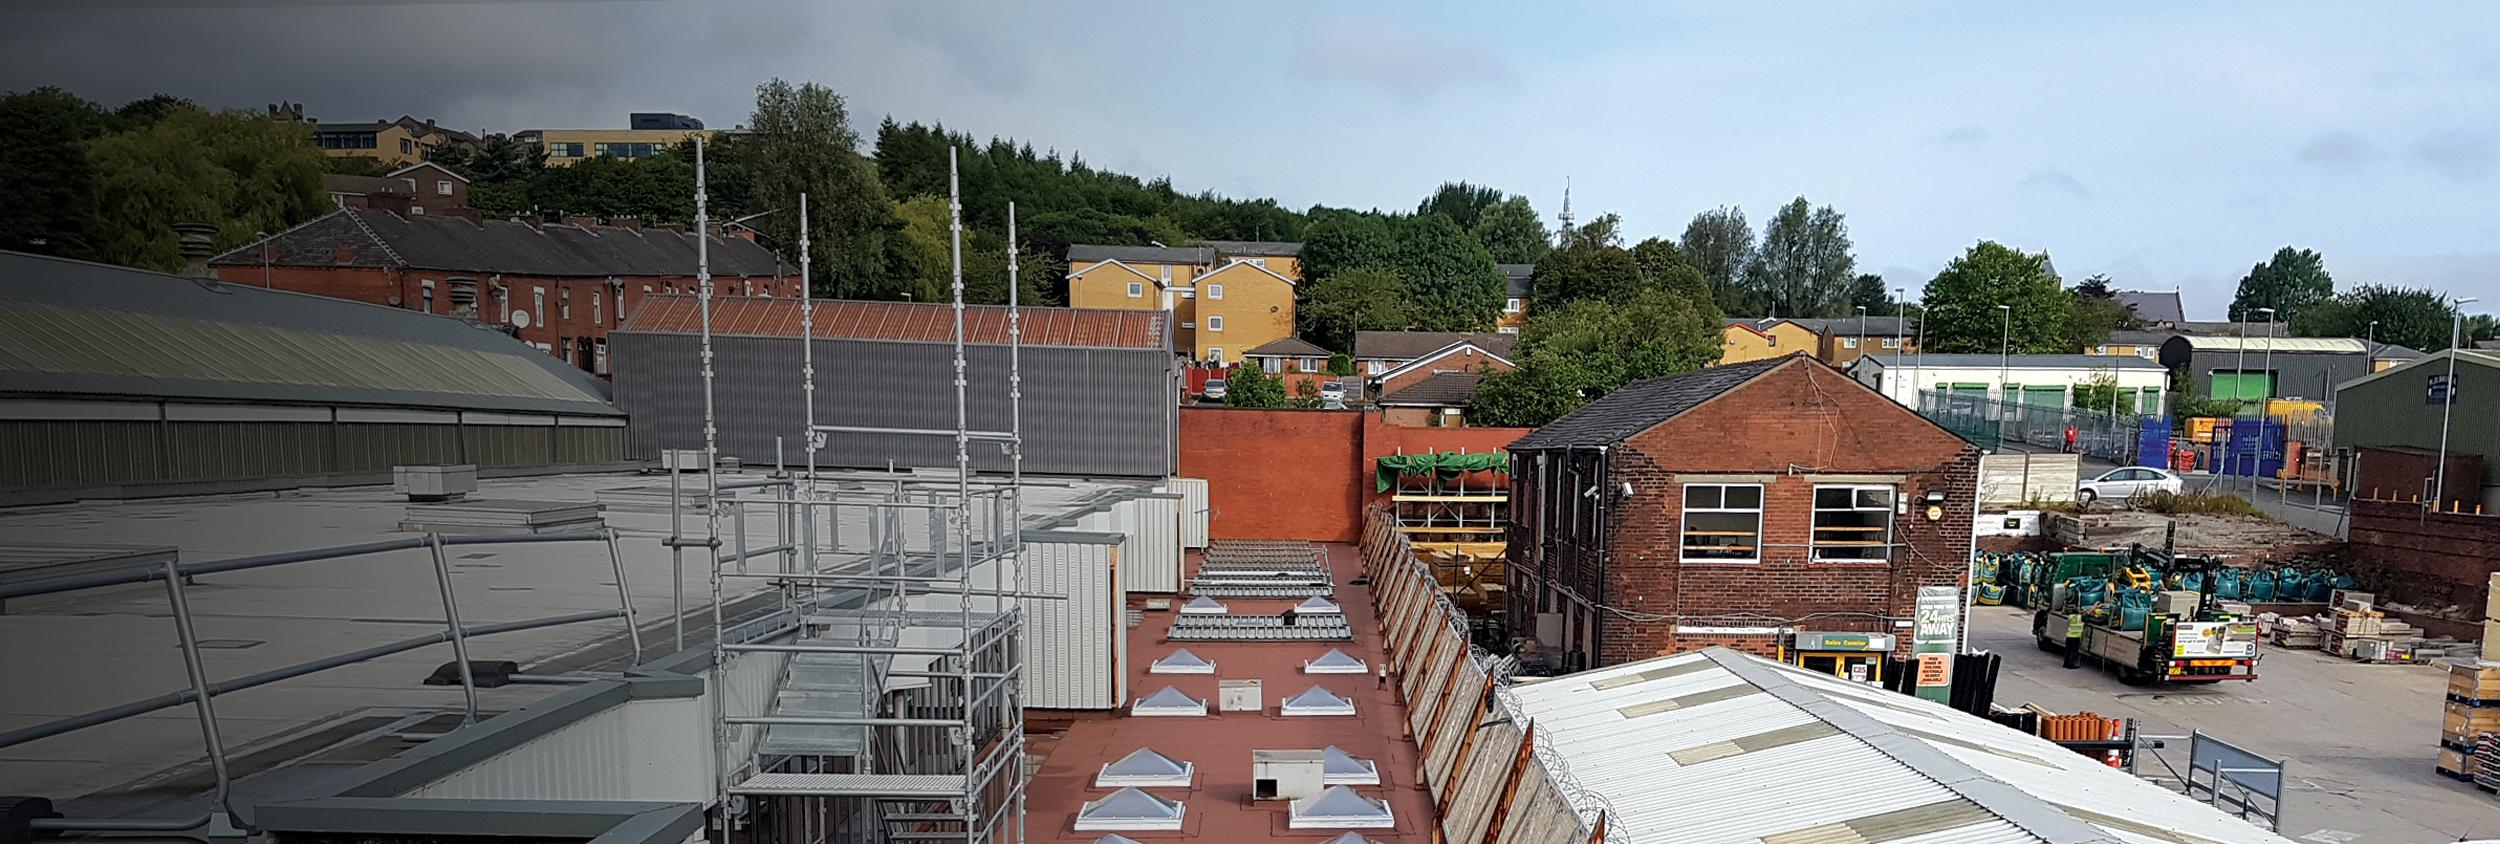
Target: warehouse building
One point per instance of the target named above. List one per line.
(1100, 386)
(119, 382)
(2028, 380)
(2259, 368)
(1759, 505)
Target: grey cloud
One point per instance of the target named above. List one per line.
(2456, 155)
(1404, 62)
(998, 65)
(1963, 136)
(2336, 149)
(2054, 180)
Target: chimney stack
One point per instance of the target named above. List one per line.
(197, 242)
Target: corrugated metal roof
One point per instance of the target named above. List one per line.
(89, 329)
(362, 237)
(2280, 345)
(915, 322)
(1740, 740)
(1637, 406)
(2016, 362)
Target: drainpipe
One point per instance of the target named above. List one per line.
(1597, 635)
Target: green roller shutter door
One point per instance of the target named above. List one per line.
(2052, 396)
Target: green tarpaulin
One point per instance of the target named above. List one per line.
(1446, 464)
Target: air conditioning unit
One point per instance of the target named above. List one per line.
(1287, 774)
(1239, 696)
(434, 483)
(682, 460)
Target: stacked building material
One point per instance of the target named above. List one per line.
(2296, 633)
(2471, 716)
(1236, 568)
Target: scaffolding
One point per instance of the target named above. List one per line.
(883, 702)
(1458, 522)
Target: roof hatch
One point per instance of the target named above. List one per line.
(1203, 605)
(1338, 767)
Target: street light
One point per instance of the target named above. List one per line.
(2005, 351)
(2269, 364)
(1861, 331)
(1901, 320)
(2448, 399)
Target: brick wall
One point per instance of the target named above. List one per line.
(1799, 426)
(2429, 560)
(1303, 474)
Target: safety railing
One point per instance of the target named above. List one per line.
(221, 820)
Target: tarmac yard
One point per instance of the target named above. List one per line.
(2357, 741)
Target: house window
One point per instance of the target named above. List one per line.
(1215, 323)
(1136, 289)
(2145, 352)
(442, 187)
(1510, 306)
(1848, 342)
(1379, 366)
(1892, 342)
(1723, 523)
(407, 146)
(1215, 291)
(1215, 354)
(429, 294)
(1852, 523)
(538, 305)
(416, 210)
(1167, 272)
(1260, 263)
(1508, 329)
(597, 316)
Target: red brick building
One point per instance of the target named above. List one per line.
(1744, 505)
(558, 286)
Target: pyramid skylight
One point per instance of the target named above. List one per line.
(1116, 838)
(1317, 701)
(1145, 767)
(1337, 808)
(1338, 767)
(1169, 702)
(1335, 661)
(1316, 603)
(1348, 838)
(1129, 808)
(1203, 605)
(1181, 662)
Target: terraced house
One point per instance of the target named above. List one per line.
(1225, 297)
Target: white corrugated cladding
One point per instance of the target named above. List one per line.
(1154, 561)
(639, 750)
(1073, 651)
(1721, 746)
(1194, 510)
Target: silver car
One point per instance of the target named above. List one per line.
(2128, 482)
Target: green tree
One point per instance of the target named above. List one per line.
(2291, 282)
(1340, 364)
(2410, 317)
(241, 171)
(1358, 299)
(1587, 348)
(1249, 386)
(1584, 272)
(800, 141)
(1305, 394)
(1532, 395)
(2099, 393)
(1605, 230)
(49, 180)
(654, 188)
(501, 172)
(2095, 286)
(1868, 291)
(352, 165)
(1341, 240)
(1655, 256)
(1462, 202)
(1511, 231)
(1685, 282)
(1719, 242)
(1450, 279)
(2092, 321)
(1961, 304)
(146, 111)
(1804, 268)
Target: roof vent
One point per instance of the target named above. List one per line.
(1181, 662)
(1338, 767)
(1203, 605)
(463, 298)
(1170, 702)
(1145, 767)
(196, 242)
(1129, 808)
(1316, 701)
(1340, 808)
(1334, 662)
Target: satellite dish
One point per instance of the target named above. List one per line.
(520, 319)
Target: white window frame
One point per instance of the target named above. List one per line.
(442, 187)
(538, 305)
(1508, 329)
(1848, 342)
(1892, 342)
(416, 210)
(1815, 528)
(564, 305)
(1260, 263)
(1215, 354)
(1684, 553)
(598, 315)
(1136, 290)
(1379, 366)
(1167, 272)
(1510, 306)
(1215, 322)
(428, 284)
(1215, 291)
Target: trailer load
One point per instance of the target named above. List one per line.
(2111, 608)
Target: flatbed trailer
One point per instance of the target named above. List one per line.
(2179, 651)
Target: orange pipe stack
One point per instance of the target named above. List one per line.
(2082, 726)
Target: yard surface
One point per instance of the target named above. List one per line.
(2357, 741)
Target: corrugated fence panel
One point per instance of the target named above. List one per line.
(1070, 642)
(1480, 784)
(576, 762)
(1193, 511)
(1458, 716)
(1156, 546)
(376, 447)
(59, 452)
(1086, 411)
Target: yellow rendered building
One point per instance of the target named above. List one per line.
(1758, 339)
(1225, 297)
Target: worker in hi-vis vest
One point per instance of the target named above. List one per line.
(2074, 640)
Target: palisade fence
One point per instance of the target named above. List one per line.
(2294, 445)
(1990, 424)
(1490, 780)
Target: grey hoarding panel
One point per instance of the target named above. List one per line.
(1073, 647)
(1155, 545)
(1193, 511)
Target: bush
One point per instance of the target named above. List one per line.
(1339, 364)
(2200, 503)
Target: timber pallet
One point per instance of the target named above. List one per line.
(2477, 703)
(2466, 778)
(2458, 746)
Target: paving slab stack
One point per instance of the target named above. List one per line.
(2469, 728)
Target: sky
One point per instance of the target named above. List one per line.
(2170, 146)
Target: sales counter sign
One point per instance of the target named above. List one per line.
(1935, 628)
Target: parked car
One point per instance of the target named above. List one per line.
(2128, 482)
(1332, 391)
(1215, 389)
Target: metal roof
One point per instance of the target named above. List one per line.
(85, 329)
(2280, 345)
(1266, 248)
(2015, 362)
(1140, 254)
(363, 237)
(1692, 747)
(2483, 357)
(917, 322)
(1454, 389)
(1637, 406)
(1408, 345)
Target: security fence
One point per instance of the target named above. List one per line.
(2116, 437)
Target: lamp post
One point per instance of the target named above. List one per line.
(2268, 366)
(1901, 320)
(2448, 400)
(1861, 331)
(2005, 351)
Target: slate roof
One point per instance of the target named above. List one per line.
(919, 322)
(1640, 405)
(2391, 351)
(1091, 252)
(2150, 306)
(2140, 338)
(1442, 389)
(361, 185)
(92, 330)
(1876, 326)
(1255, 248)
(380, 239)
(2018, 362)
(1288, 347)
(1518, 274)
(1409, 345)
